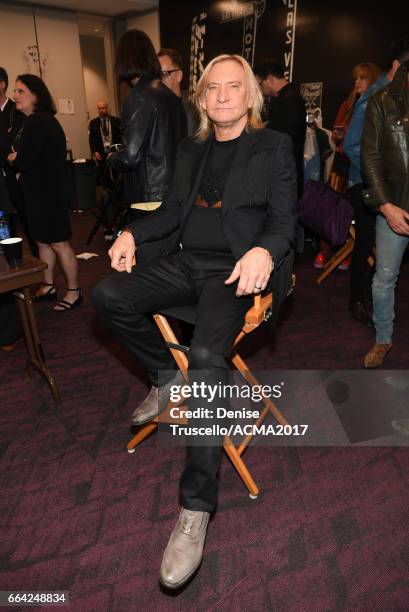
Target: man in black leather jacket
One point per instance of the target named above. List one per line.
(232, 214)
(385, 162)
(285, 110)
(153, 122)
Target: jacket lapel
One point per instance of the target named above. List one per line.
(198, 162)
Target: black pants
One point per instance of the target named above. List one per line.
(361, 272)
(125, 302)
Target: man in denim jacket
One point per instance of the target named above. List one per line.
(360, 279)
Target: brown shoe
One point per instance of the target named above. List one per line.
(156, 401)
(184, 551)
(377, 354)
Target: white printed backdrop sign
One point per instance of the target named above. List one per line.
(312, 94)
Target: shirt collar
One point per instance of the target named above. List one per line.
(3, 105)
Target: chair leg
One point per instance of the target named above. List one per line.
(336, 260)
(240, 466)
(141, 435)
(169, 336)
(339, 256)
(242, 367)
(249, 437)
(182, 363)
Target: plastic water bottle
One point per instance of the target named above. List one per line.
(4, 226)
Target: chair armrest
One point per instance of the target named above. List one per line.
(261, 309)
(263, 306)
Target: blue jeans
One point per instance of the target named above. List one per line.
(390, 248)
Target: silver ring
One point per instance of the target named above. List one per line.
(257, 286)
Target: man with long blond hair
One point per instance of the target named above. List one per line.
(231, 211)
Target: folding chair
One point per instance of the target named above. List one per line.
(337, 182)
(344, 252)
(260, 311)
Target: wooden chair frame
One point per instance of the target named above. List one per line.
(257, 314)
(344, 252)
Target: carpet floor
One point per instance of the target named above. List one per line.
(79, 514)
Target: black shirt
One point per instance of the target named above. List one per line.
(11, 124)
(203, 230)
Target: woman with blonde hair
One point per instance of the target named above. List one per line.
(364, 75)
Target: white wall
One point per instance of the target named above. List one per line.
(109, 49)
(17, 32)
(95, 79)
(59, 45)
(148, 23)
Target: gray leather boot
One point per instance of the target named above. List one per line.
(184, 551)
(155, 402)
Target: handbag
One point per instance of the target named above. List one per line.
(325, 212)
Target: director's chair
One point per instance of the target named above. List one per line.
(260, 311)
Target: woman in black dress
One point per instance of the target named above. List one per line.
(41, 161)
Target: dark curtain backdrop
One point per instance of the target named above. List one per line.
(330, 37)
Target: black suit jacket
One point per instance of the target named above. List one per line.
(11, 123)
(8, 113)
(4, 139)
(5, 204)
(287, 114)
(259, 199)
(95, 139)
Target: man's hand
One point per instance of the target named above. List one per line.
(253, 271)
(98, 156)
(11, 156)
(122, 252)
(397, 218)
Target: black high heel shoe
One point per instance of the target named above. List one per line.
(68, 305)
(48, 296)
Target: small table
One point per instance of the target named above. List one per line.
(18, 281)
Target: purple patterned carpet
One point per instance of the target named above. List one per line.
(78, 513)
